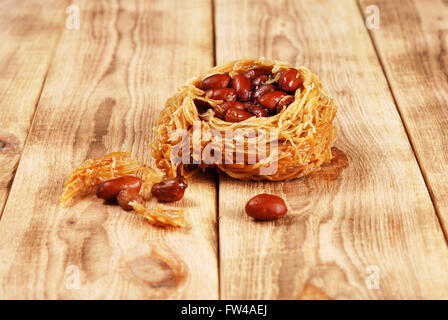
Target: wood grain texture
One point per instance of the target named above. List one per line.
(376, 212)
(28, 33)
(412, 42)
(106, 86)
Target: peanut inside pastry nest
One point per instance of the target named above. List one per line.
(294, 142)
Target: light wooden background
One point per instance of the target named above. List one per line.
(67, 95)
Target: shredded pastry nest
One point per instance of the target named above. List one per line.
(304, 131)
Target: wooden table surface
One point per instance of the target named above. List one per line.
(376, 231)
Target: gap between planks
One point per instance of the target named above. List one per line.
(36, 104)
(411, 142)
(218, 253)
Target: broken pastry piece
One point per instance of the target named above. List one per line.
(111, 168)
(93, 172)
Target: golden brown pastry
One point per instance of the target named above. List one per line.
(286, 135)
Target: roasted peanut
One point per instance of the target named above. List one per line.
(216, 81)
(237, 115)
(271, 99)
(108, 190)
(220, 111)
(251, 74)
(258, 81)
(256, 110)
(264, 100)
(169, 190)
(289, 80)
(242, 86)
(226, 94)
(284, 102)
(262, 90)
(266, 207)
(128, 195)
(201, 105)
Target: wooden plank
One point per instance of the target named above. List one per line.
(412, 43)
(106, 86)
(28, 33)
(375, 220)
